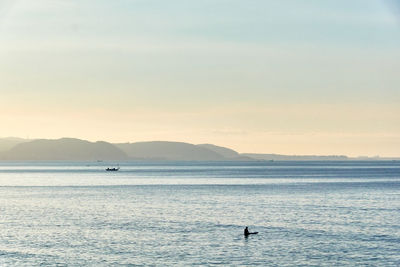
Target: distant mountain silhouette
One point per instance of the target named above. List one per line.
(227, 153)
(76, 149)
(163, 150)
(9, 142)
(64, 149)
(278, 157)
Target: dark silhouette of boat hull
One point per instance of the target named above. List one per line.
(112, 169)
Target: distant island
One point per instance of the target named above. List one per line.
(76, 149)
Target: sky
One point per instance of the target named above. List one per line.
(303, 77)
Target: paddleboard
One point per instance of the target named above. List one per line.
(254, 233)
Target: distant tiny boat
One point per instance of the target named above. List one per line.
(112, 169)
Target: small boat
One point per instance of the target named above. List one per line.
(112, 169)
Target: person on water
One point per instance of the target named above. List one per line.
(246, 231)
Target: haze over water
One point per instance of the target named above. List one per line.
(192, 213)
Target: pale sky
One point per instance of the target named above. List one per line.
(288, 77)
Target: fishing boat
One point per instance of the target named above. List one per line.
(112, 169)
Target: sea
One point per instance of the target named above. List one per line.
(310, 213)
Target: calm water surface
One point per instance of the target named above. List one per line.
(188, 213)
